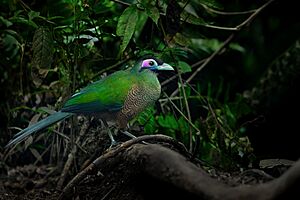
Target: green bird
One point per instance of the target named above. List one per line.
(118, 97)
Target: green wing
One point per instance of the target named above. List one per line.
(105, 95)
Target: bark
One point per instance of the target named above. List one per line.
(167, 166)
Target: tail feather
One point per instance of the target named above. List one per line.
(58, 116)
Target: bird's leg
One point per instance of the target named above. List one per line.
(125, 132)
(113, 141)
(130, 135)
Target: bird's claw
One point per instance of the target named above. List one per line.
(113, 144)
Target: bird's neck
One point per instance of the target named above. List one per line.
(150, 80)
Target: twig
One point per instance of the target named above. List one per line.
(176, 75)
(106, 195)
(62, 135)
(122, 2)
(227, 13)
(110, 67)
(249, 19)
(94, 167)
(221, 137)
(69, 139)
(181, 113)
(42, 154)
(187, 111)
(71, 156)
(225, 43)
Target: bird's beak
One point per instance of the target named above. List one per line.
(165, 66)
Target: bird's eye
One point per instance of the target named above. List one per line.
(151, 63)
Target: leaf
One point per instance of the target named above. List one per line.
(35, 118)
(184, 67)
(6, 22)
(237, 47)
(28, 141)
(168, 121)
(182, 40)
(10, 45)
(183, 125)
(144, 116)
(230, 117)
(21, 20)
(150, 126)
(36, 154)
(142, 19)
(126, 25)
(191, 19)
(147, 119)
(42, 48)
(33, 14)
(212, 4)
(153, 13)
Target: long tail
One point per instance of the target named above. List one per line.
(55, 117)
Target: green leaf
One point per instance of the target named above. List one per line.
(22, 20)
(183, 125)
(168, 121)
(6, 22)
(191, 19)
(182, 40)
(237, 47)
(142, 19)
(184, 67)
(126, 25)
(153, 13)
(144, 116)
(212, 4)
(230, 117)
(147, 119)
(10, 45)
(33, 14)
(150, 126)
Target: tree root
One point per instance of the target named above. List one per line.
(169, 166)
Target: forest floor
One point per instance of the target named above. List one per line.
(121, 175)
(35, 182)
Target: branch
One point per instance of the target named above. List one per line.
(97, 164)
(180, 174)
(225, 43)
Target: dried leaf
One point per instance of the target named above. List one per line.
(42, 47)
(36, 154)
(28, 141)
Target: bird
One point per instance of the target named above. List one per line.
(118, 97)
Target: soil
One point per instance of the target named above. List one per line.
(162, 170)
(123, 181)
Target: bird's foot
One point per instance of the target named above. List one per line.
(113, 143)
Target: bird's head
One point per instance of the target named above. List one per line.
(154, 65)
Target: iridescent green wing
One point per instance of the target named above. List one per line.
(106, 95)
